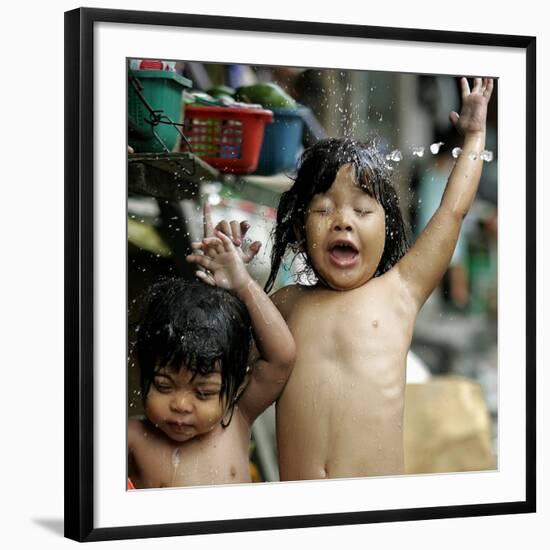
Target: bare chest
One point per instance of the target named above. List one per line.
(209, 461)
(351, 327)
(349, 377)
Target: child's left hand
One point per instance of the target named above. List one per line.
(474, 106)
(224, 265)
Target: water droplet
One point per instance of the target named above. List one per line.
(418, 151)
(456, 152)
(487, 156)
(395, 155)
(472, 155)
(434, 147)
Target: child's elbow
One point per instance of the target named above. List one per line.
(460, 213)
(287, 357)
(456, 212)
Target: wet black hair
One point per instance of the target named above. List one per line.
(317, 169)
(188, 324)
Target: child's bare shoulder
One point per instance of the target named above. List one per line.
(138, 430)
(285, 298)
(136, 422)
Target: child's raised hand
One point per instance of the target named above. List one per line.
(474, 106)
(234, 230)
(222, 261)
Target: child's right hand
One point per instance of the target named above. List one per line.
(222, 262)
(234, 230)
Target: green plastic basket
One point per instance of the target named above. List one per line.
(162, 91)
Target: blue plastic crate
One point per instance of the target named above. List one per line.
(282, 142)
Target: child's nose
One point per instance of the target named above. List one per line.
(341, 221)
(182, 403)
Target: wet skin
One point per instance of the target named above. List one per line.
(181, 440)
(345, 233)
(341, 413)
(156, 461)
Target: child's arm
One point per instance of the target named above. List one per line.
(423, 266)
(275, 345)
(134, 426)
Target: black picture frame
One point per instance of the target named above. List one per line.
(79, 272)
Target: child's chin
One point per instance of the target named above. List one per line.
(180, 438)
(183, 437)
(343, 283)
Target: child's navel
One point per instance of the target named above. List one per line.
(375, 322)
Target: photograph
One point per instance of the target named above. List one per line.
(299, 274)
(310, 296)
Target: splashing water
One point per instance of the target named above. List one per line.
(176, 458)
(487, 156)
(434, 147)
(395, 155)
(214, 199)
(418, 151)
(456, 152)
(175, 463)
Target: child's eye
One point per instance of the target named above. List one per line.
(320, 211)
(362, 211)
(205, 395)
(163, 388)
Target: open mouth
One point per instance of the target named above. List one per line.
(343, 253)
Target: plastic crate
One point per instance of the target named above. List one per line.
(227, 138)
(163, 91)
(282, 142)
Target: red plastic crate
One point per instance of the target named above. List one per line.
(227, 138)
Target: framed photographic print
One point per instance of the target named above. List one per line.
(341, 400)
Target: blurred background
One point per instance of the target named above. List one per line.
(231, 135)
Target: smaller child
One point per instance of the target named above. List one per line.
(200, 397)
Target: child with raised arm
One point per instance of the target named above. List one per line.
(200, 397)
(341, 412)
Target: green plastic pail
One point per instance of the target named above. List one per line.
(162, 90)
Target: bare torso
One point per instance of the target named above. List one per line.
(341, 412)
(216, 458)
